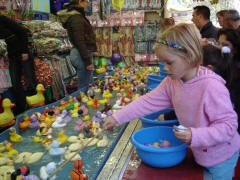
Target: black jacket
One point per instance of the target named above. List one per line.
(15, 36)
(209, 31)
(80, 32)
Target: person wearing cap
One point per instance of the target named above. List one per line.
(232, 20)
(83, 39)
(201, 18)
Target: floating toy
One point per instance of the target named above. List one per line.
(86, 118)
(35, 157)
(103, 142)
(26, 122)
(60, 122)
(46, 170)
(68, 154)
(95, 103)
(73, 139)
(66, 116)
(78, 173)
(22, 157)
(14, 137)
(103, 101)
(11, 152)
(20, 172)
(74, 111)
(75, 146)
(79, 125)
(97, 117)
(35, 122)
(7, 117)
(5, 171)
(55, 150)
(62, 138)
(5, 161)
(100, 70)
(84, 110)
(38, 99)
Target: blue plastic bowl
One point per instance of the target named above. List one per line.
(151, 120)
(162, 71)
(154, 81)
(159, 157)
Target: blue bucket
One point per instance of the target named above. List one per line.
(159, 157)
(151, 120)
(154, 81)
(161, 69)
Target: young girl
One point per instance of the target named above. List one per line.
(200, 99)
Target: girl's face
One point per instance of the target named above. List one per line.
(222, 40)
(220, 20)
(83, 4)
(176, 66)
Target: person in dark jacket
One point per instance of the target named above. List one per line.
(20, 59)
(201, 18)
(83, 39)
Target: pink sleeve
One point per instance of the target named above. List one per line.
(154, 101)
(218, 110)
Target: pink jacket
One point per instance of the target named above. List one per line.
(204, 105)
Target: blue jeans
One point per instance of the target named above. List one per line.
(84, 75)
(222, 171)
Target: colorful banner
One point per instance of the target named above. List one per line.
(42, 6)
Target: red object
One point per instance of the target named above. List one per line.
(78, 173)
(186, 170)
(237, 170)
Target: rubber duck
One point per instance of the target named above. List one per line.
(103, 142)
(35, 157)
(68, 154)
(78, 173)
(45, 171)
(103, 101)
(84, 110)
(101, 70)
(11, 152)
(62, 138)
(97, 117)
(22, 157)
(86, 118)
(75, 146)
(38, 99)
(79, 125)
(5, 171)
(84, 97)
(90, 101)
(5, 161)
(55, 150)
(73, 139)
(74, 111)
(26, 122)
(107, 94)
(14, 137)
(66, 116)
(60, 122)
(7, 116)
(35, 122)
(95, 103)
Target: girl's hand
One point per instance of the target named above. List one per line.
(185, 136)
(109, 122)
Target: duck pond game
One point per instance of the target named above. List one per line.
(46, 137)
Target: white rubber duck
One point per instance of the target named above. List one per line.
(46, 170)
(68, 154)
(59, 123)
(35, 157)
(55, 150)
(73, 139)
(75, 146)
(103, 142)
(21, 157)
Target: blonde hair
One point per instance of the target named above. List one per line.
(186, 35)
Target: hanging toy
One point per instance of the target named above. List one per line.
(77, 173)
(38, 99)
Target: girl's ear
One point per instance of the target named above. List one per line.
(210, 67)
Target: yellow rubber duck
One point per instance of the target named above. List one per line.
(14, 137)
(11, 152)
(7, 117)
(84, 97)
(103, 101)
(38, 99)
(74, 111)
(90, 102)
(107, 94)
(86, 118)
(62, 137)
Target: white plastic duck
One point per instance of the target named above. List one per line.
(46, 170)
(21, 157)
(68, 154)
(59, 123)
(35, 157)
(73, 139)
(55, 150)
(103, 142)
(75, 146)
(5, 161)
(6, 169)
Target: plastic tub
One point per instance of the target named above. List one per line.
(159, 157)
(154, 81)
(151, 120)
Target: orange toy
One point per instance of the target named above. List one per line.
(95, 103)
(26, 122)
(78, 173)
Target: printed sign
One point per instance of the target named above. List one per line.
(42, 6)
